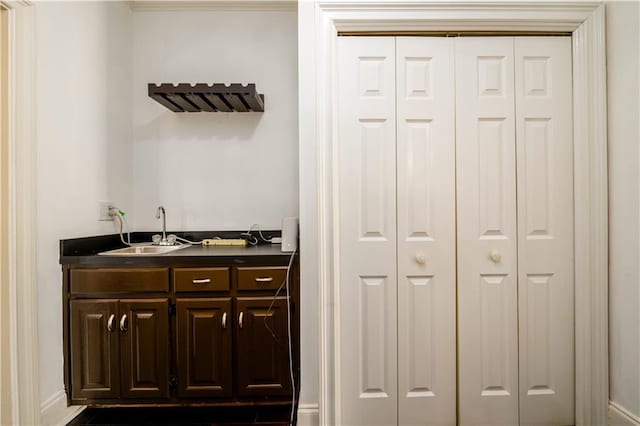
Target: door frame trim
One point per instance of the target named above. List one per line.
(25, 380)
(319, 23)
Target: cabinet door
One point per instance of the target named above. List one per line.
(144, 326)
(94, 349)
(262, 346)
(203, 331)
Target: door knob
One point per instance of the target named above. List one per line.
(420, 258)
(495, 256)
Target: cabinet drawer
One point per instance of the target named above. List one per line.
(201, 279)
(262, 278)
(119, 280)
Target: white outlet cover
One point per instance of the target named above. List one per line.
(103, 210)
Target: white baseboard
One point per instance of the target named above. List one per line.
(308, 415)
(55, 412)
(619, 416)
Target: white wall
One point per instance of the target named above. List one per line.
(623, 71)
(216, 170)
(84, 145)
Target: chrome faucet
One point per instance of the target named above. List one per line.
(163, 241)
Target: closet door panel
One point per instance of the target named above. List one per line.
(545, 229)
(486, 212)
(426, 231)
(366, 187)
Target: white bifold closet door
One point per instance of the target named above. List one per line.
(366, 184)
(426, 231)
(454, 156)
(515, 231)
(396, 214)
(544, 141)
(487, 257)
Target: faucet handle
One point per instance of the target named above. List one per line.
(156, 239)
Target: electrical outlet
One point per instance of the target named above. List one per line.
(103, 210)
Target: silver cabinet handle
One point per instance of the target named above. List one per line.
(240, 318)
(110, 322)
(201, 281)
(123, 323)
(264, 279)
(224, 320)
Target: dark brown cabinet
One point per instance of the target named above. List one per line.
(144, 328)
(204, 332)
(181, 334)
(95, 358)
(200, 279)
(263, 346)
(261, 278)
(119, 348)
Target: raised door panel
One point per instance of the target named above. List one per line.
(545, 229)
(426, 231)
(94, 349)
(486, 212)
(262, 346)
(365, 181)
(144, 326)
(203, 335)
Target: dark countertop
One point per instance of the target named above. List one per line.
(84, 252)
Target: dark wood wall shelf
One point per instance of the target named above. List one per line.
(186, 97)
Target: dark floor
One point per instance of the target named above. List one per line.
(245, 416)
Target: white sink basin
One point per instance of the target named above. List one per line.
(143, 250)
